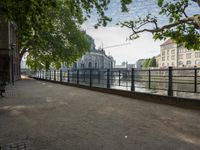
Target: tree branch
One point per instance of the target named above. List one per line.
(194, 20)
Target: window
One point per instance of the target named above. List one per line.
(188, 62)
(163, 52)
(95, 65)
(163, 58)
(181, 50)
(90, 65)
(167, 57)
(173, 52)
(82, 65)
(173, 57)
(167, 52)
(180, 56)
(197, 54)
(172, 63)
(180, 63)
(188, 55)
(163, 64)
(197, 62)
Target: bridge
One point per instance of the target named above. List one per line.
(53, 116)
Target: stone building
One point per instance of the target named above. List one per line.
(172, 54)
(9, 52)
(95, 59)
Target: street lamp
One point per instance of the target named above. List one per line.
(13, 46)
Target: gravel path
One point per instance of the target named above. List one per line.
(56, 117)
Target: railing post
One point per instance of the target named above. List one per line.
(119, 77)
(83, 75)
(108, 78)
(149, 79)
(68, 76)
(90, 77)
(99, 77)
(77, 77)
(133, 80)
(195, 79)
(54, 75)
(46, 74)
(60, 75)
(170, 81)
(49, 74)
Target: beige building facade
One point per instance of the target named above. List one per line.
(172, 54)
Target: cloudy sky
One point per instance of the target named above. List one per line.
(144, 47)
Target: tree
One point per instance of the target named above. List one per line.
(150, 62)
(181, 28)
(49, 30)
(145, 64)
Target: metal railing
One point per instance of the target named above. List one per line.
(168, 80)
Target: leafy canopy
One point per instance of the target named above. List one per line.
(49, 30)
(181, 27)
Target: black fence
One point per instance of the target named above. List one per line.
(167, 80)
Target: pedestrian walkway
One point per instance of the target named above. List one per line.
(57, 117)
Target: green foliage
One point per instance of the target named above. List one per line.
(181, 28)
(150, 62)
(49, 29)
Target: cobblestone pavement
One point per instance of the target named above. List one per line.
(57, 117)
(16, 146)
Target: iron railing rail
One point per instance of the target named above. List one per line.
(170, 80)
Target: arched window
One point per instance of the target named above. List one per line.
(82, 65)
(96, 65)
(90, 65)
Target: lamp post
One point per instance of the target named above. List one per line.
(13, 45)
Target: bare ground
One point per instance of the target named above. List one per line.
(57, 117)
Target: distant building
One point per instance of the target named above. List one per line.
(9, 51)
(130, 66)
(96, 59)
(157, 60)
(176, 55)
(125, 65)
(139, 63)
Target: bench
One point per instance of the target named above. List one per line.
(2, 88)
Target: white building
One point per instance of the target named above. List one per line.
(172, 54)
(95, 59)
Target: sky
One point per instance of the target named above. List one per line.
(131, 51)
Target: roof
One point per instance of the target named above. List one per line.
(169, 41)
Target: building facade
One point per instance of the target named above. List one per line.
(9, 51)
(139, 63)
(172, 54)
(95, 59)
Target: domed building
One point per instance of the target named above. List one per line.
(95, 59)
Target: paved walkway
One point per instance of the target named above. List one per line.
(56, 117)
